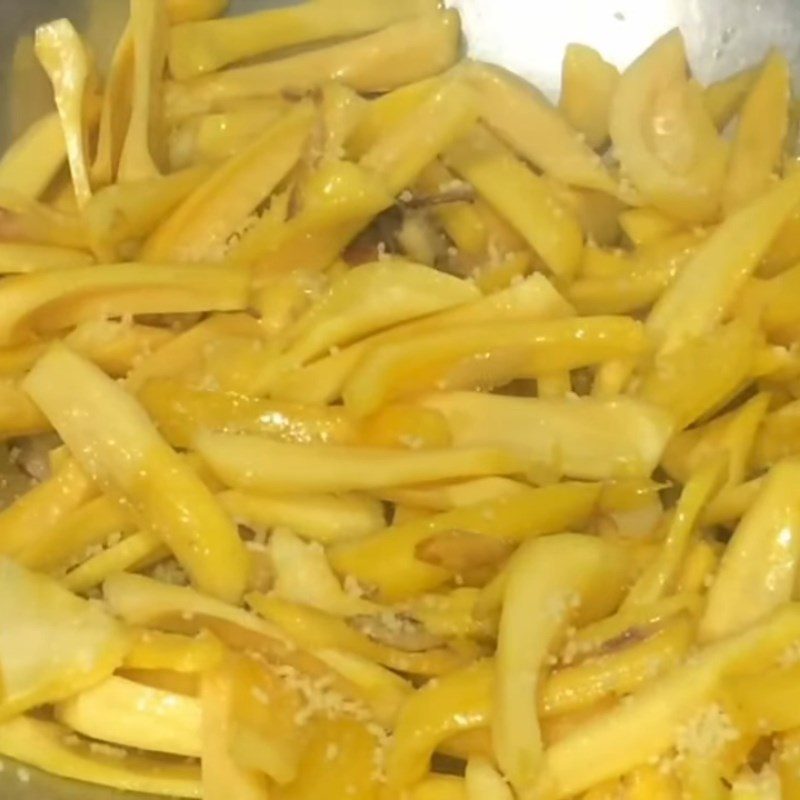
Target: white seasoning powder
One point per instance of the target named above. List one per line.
(320, 699)
(706, 734)
(171, 572)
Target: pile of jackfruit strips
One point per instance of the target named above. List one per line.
(376, 429)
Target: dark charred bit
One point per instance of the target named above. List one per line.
(295, 204)
(443, 764)
(720, 534)
(295, 95)
(627, 638)
(177, 322)
(522, 387)
(262, 207)
(379, 239)
(582, 381)
(760, 754)
(360, 251)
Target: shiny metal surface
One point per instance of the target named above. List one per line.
(528, 36)
(723, 36)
